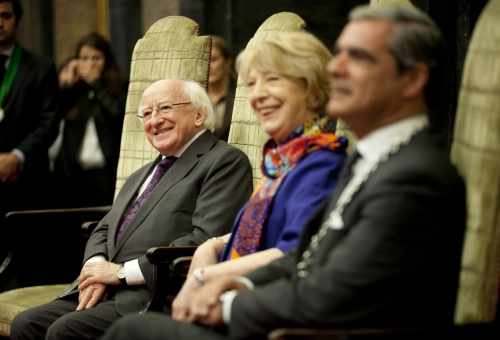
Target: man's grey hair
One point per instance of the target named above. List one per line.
(199, 99)
(417, 39)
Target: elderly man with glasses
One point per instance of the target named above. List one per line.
(190, 193)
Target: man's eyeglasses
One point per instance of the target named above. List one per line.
(163, 109)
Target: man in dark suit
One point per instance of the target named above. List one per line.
(28, 123)
(201, 184)
(385, 249)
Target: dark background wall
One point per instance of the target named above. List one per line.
(456, 18)
(51, 27)
(36, 29)
(237, 20)
(125, 27)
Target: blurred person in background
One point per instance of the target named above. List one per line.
(28, 120)
(92, 106)
(288, 89)
(221, 86)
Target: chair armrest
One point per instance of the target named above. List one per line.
(165, 255)
(478, 331)
(48, 221)
(171, 268)
(339, 334)
(180, 266)
(88, 227)
(44, 246)
(21, 215)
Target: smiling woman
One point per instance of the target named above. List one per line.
(279, 102)
(288, 89)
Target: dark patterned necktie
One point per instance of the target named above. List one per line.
(135, 206)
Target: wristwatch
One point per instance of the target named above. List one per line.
(121, 275)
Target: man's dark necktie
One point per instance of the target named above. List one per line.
(135, 206)
(351, 161)
(346, 173)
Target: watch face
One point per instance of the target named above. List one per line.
(121, 273)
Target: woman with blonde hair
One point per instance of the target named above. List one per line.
(288, 90)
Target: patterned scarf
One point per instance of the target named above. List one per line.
(278, 161)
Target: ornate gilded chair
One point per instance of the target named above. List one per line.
(171, 48)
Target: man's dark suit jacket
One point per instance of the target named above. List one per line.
(196, 199)
(30, 122)
(394, 263)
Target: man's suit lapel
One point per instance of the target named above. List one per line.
(180, 169)
(328, 204)
(344, 178)
(22, 72)
(312, 225)
(318, 228)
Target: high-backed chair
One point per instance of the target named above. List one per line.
(476, 154)
(171, 48)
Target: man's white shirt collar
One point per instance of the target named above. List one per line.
(379, 142)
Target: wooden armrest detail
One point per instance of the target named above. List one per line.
(162, 255)
(16, 213)
(180, 266)
(338, 334)
(88, 227)
(479, 331)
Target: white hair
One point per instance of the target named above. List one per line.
(199, 99)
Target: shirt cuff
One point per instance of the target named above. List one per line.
(227, 302)
(133, 273)
(20, 156)
(226, 299)
(97, 258)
